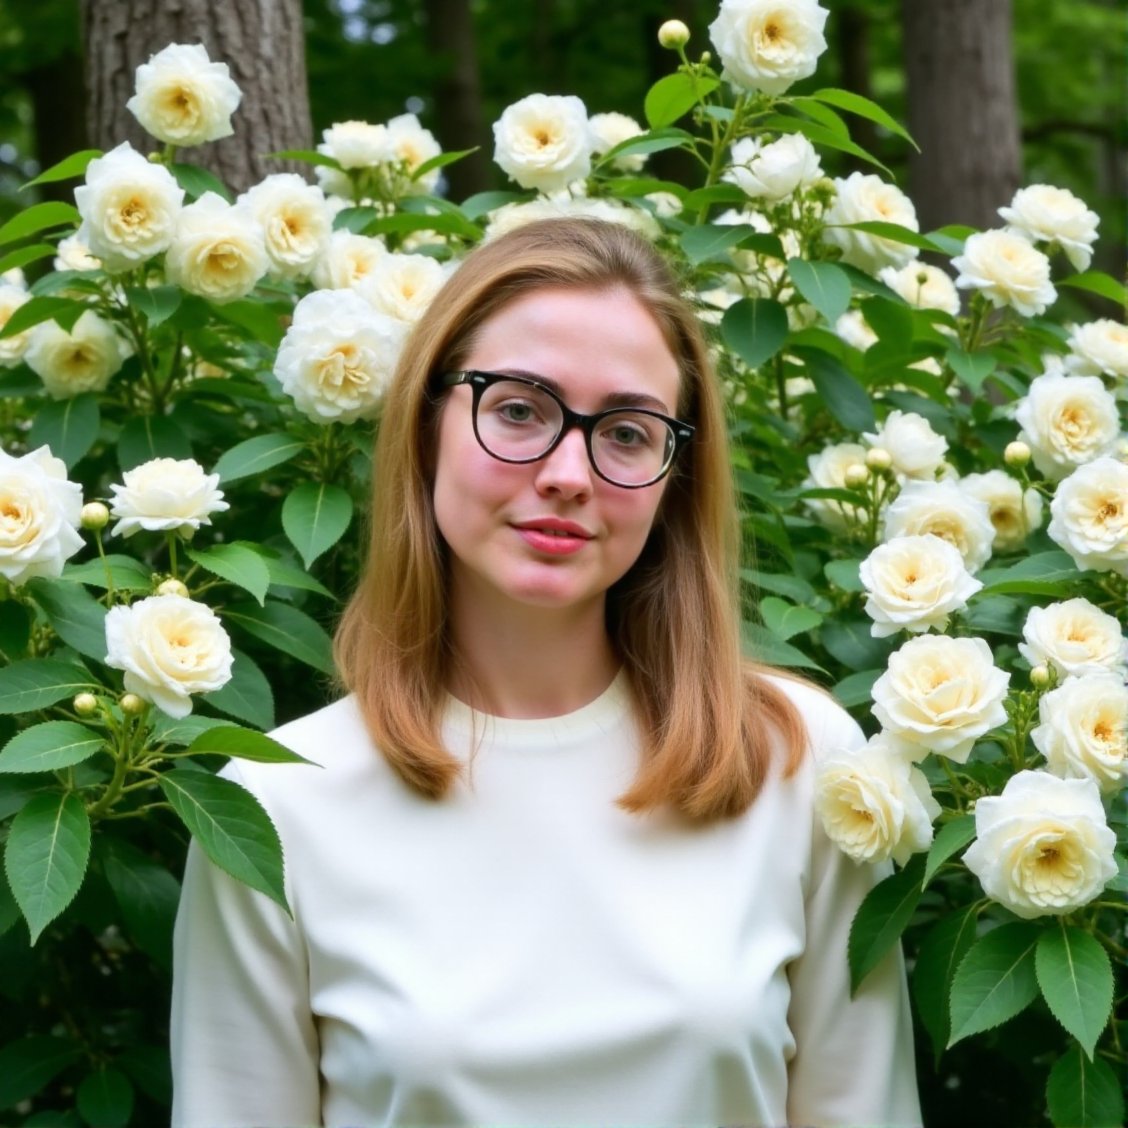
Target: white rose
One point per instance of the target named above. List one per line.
(1067, 421)
(1075, 637)
(775, 170)
(82, 360)
(1045, 214)
(40, 512)
(12, 348)
(864, 198)
(1014, 512)
(768, 44)
(923, 286)
(609, 130)
(853, 328)
(355, 144)
(827, 470)
(166, 494)
(915, 583)
(1099, 348)
(74, 254)
(410, 145)
(402, 286)
(666, 204)
(1007, 270)
(1043, 847)
(295, 220)
(169, 647)
(1089, 516)
(1084, 729)
(874, 804)
(183, 98)
(941, 694)
(543, 141)
(336, 185)
(511, 216)
(346, 260)
(338, 356)
(13, 277)
(916, 449)
(218, 252)
(943, 509)
(129, 208)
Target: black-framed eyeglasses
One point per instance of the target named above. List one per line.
(519, 420)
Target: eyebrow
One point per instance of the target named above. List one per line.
(612, 399)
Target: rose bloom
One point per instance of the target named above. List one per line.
(923, 286)
(82, 360)
(346, 260)
(775, 170)
(169, 647)
(543, 141)
(40, 512)
(1043, 847)
(218, 252)
(1067, 421)
(410, 145)
(1014, 512)
(1089, 516)
(769, 44)
(941, 694)
(295, 220)
(914, 584)
(609, 130)
(874, 804)
(1099, 348)
(864, 198)
(402, 286)
(943, 509)
(129, 208)
(13, 277)
(1084, 729)
(916, 449)
(511, 216)
(74, 254)
(12, 348)
(1006, 269)
(166, 494)
(338, 356)
(853, 328)
(1045, 214)
(355, 144)
(827, 470)
(1075, 637)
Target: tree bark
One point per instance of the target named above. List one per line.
(55, 89)
(260, 40)
(962, 110)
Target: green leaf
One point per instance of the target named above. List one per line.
(146, 893)
(145, 437)
(971, 368)
(288, 576)
(755, 329)
(821, 113)
(674, 95)
(309, 156)
(482, 203)
(65, 311)
(1097, 282)
(9, 910)
(231, 827)
(263, 323)
(881, 918)
(236, 564)
(996, 614)
(257, 454)
(151, 1070)
(196, 181)
(763, 646)
(938, 956)
(441, 161)
(45, 859)
(28, 1064)
(105, 1098)
(711, 241)
(844, 397)
(247, 696)
(15, 630)
(1075, 976)
(244, 744)
(653, 141)
(950, 838)
(314, 517)
(894, 232)
(157, 303)
(286, 629)
(844, 573)
(850, 642)
(995, 981)
(856, 689)
(127, 573)
(405, 223)
(822, 137)
(69, 427)
(785, 620)
(863, 107)
(32, 685)
(728, 194)
(795, 588)
(39, 217)
(1045, 573)
(1084, 1094)
(23, 256)
(49, 746)
(74, 614)
(66, 169)
(824, 285)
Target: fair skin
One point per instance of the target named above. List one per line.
(527, 615)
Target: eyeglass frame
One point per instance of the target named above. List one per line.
(479, 381)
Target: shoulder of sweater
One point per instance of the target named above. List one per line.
(829, 726)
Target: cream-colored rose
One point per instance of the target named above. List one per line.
(1067, 421)
(1045, 214)
(852, 328)
(665, 204)
(1014, 512)
(409, 145)
(129, 208)
(74, 254)
(1084, 729)
(916, 449)
(864, 198)
(295, 220)
(183, 98)
(1007, 270)
(1075, 637)
(402, 286)
(347, 260)
(355, 144)
(923, 286)
(12, 348)
(943, 509)
(13, 277)
(1043, 847)
(169, 647)
(166, 494)
(609, 130)
(218, 252)
(40, 511)
(543, 141)
(1089, 516)
(1099, 348)
(941, 694)
(769, 44)
(511, 216)
(774, 170)
(82, 360)
(874, 804)
(827, 470)
(915, 584)
(338, 356)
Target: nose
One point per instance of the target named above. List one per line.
(567, 470)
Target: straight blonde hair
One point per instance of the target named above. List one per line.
(711, 723)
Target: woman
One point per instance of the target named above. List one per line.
(559, 864)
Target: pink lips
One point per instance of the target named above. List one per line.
(553, 536)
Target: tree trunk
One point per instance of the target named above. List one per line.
(962, 110)
(852, 24)
(55, 89)
(260, 40)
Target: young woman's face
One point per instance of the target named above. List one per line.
(551, 534)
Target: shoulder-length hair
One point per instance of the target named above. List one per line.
(710, 721)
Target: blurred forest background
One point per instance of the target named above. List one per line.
(997, 92)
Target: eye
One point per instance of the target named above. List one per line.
(627, 434)
(515, 411)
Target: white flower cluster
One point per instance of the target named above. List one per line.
(378, 159)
